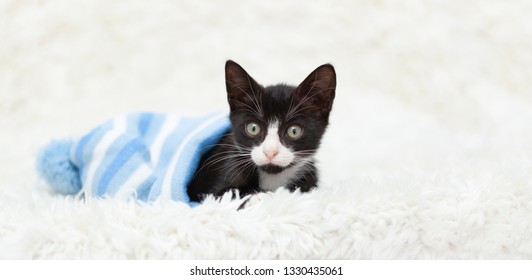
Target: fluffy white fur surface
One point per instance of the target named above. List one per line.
(428, 155)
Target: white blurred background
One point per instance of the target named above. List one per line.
(430, 93)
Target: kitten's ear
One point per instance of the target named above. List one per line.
(242, 90)
(316, 93)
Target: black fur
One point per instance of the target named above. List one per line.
(229, 165)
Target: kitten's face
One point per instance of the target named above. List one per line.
(279, 126)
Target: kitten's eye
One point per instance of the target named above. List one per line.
(294, 131)
(252, 129)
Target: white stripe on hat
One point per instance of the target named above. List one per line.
(134, 181)
(100, 153)
(169, 125)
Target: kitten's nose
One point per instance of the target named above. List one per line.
(270, 153)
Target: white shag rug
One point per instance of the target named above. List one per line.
(429, 152)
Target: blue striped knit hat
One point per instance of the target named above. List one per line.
(143, 156)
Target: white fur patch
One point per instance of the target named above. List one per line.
(271, 182)
(272, 151)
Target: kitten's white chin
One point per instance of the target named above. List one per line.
(271, 182)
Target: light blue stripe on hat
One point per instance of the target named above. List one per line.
(87, 143)
(152, 131)
(143, 190)
(121, 164)
(144, 122)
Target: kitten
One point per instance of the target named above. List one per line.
(275, 132)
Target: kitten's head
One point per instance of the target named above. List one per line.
(279, 126)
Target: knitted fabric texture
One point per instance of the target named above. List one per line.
(143, 156)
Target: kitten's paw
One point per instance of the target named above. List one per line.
(255, 199)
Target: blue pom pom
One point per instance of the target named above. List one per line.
(54, 165)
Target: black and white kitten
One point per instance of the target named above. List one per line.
(275, 132)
